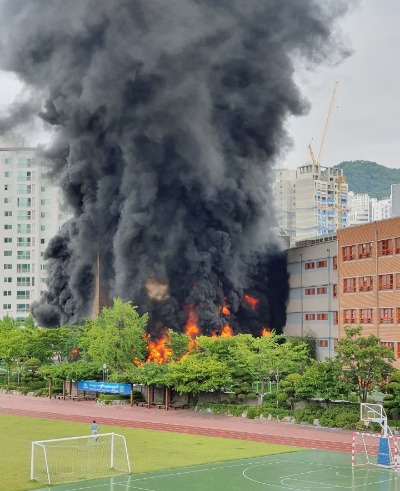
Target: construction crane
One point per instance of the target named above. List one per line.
(317, 160)
(328, 118)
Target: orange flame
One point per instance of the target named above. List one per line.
(137, 362)
(225, 310)
(252, 301)
(266, 332)
(159, 352)
(192, 328)
(226, 331)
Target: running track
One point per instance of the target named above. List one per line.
(178, 421)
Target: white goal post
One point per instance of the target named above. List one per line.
(374, 449)
(79, 458)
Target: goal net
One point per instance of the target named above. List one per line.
(79, 458)
(375, 449)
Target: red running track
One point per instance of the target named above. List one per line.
(179, 421)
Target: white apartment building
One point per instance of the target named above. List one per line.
(312, 308)
(395, 197)
(360, 209)
(381, 209)
(311, 201)
(29, 217)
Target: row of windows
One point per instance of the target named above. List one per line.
(21, 307)
(385, 247)
(21, 280)
(27, 214)
(366, 283)
(26, 228)
(321, 290)
(21, 162)
(320, 264)
(366, 316)
(21, 294)
(28, 189)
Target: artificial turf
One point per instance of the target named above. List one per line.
(149, 450)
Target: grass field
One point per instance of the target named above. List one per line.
(149, 450)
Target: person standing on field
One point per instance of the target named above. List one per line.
(95, 428)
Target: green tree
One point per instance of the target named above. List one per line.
(364, 362)
(323, 380)
(271, 357)
(198, 373)
(117, 336)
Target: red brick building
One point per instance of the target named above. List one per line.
(369, 280)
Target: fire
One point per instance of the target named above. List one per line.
(252, 301)
(225, 310)
(159, 351)
(266, 332)
(192, 328)
(137, 362)
(226, 331)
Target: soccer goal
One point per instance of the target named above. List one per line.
(379, 449)
(79, 458)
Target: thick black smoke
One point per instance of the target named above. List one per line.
(167, 120)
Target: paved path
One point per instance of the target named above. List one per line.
(179, 421)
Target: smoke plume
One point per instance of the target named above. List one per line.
(167, 119)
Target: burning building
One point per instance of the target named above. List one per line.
(166, 124)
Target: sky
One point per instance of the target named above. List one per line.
(365, 120)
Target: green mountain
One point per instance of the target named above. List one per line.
(370, 178)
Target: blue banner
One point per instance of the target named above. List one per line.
(104, 387)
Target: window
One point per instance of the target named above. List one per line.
(349, 285)
(24, 189)
(24, 176)
(385, 282)
(8, 266)
(349, 253)
(398, 316)
(322, 290)
(24, 202)
(336, 317)
(334, 262)
(23, 294)
(45, 214)
(23, 163)
(310, 291)
(45, 189)
(322, 343)
(44, 241)
(23, 228)
(385, 247)
(8, 201)
(365, 250)
(349, 316)
(366, 316)
(7, 240)
(334, 292)
(44, 267)
(22, 307)
(7, 293)
(322, 317)
(6, 306)
(45, 228)
(24, 215)
(7, 279)
(386, 316)
(8, 161)
(397, 245)
(365, 283)
(310, 317)
(8, 213)
(45, 201)
(7, 187)
(24, 242)
(7, 226)
(23, 268)
(8, 174)
(23, 281)
(321, 264)
(8, 253)
(309, 266)
(23, 254)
